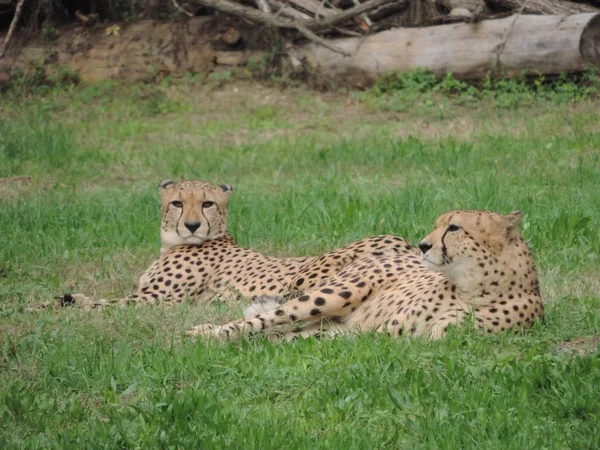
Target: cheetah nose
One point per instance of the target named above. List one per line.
(192, 226)
(425, 247)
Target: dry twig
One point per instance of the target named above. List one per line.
(350, 13)
(306, 28)
(180, 8)
(319, 40)
(285, 10)
(263, 5)
(269, 19)
(12, 27)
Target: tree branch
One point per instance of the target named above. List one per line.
(263, 6)
(319, 40)
(306, 28)
(261, 17)
(180, 8)
(348, 14)
(12, 27)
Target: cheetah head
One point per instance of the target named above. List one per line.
(192, 212)
(465, 244)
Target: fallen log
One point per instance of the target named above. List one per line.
(544, 44)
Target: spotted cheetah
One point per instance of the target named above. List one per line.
(475, 264)
(200, 260)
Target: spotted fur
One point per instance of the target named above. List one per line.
(200, 260)
(475, 264)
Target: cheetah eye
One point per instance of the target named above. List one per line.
(453, 228)
(177, 204)
(207, 204)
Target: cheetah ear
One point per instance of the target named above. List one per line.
(513, 220)
(227, 190)
(165, 184)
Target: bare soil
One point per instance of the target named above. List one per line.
(140, 50)
(581, 345)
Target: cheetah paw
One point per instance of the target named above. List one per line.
(80, 301)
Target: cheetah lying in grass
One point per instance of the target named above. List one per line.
(200, 260)
(475, 264)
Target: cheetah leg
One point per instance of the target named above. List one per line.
(346, 293)
(312, 330)
(322, 330)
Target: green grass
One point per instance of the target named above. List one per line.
(310, 172)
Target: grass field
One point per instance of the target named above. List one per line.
(310, 172)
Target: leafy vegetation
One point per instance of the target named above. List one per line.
(400, 91)
(310, 172)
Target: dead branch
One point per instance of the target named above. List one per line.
(305, 27)
(350, 13)
(287, 11)
(180, 8)
(254, 15)
(314, 7)
(319, 40)
(364, 17)
(263, 5)
(12, 27)
(244, 12)
(344, 32)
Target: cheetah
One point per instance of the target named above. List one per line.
(199, 259)
(474, 265)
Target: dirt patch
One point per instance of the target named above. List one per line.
(10, 187)
(581, 345)
(137, 50)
